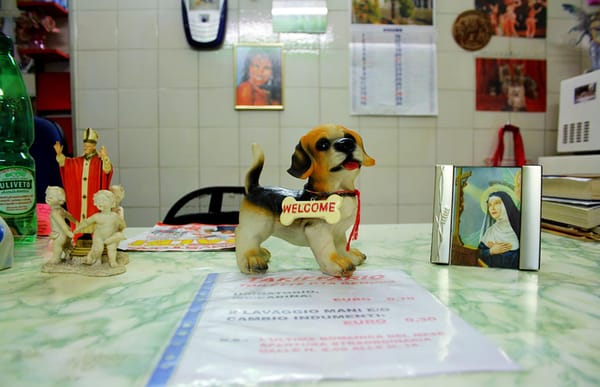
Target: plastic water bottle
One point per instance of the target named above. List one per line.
(17, 167)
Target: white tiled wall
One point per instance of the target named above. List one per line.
(165, 111)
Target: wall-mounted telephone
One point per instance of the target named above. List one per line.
(204, 22)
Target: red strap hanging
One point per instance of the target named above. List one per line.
(518, 143)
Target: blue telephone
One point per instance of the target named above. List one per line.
(204, 22)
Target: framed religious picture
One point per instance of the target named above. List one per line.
(514, 85)
(516, 18)
(258, 76)
(487, 216)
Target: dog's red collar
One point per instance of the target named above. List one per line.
(322, 195)
(317, 195)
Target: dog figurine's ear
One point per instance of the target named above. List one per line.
(368, 161)
(301, 163)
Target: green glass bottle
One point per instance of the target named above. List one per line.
(17, 167)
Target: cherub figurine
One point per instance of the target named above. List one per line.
(119, 193)
(108, 229)
(61, 232)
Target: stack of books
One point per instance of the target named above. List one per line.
(571, 204)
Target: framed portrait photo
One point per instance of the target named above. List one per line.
(258, 71)
(487, 216)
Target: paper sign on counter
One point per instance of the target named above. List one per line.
(306, 326)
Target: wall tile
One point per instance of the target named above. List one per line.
(422, 213)
(335, 107)
(454, 146)
(484, 145)
(259, 119)
(415, 185)
(178, 147)
(267, 138)
(301, 69)
(170, 29)
(215, 108)
(220, 176)
(178, 68)
(289, 138)
(172, 4)
(140, 216)
(385, 143)
(96, 30)
(215, 68)
(141, 186)
(374, 214)
(334, 68)
(456, 108)
(175, 183)
(338, 31)
(220, 147)
(138, 69)
(93, 5)
(138, 4)
(138, 108)
(96, 109)
(138, 148)
(97, 69)
(301, 106)
(138, 29)
(379, 185)
(416, 147)
(178, 108)
(449, 78)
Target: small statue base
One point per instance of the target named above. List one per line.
(77, 265)
(83, 247)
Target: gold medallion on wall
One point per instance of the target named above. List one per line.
(472, 30)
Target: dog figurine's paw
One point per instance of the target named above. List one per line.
(356, 256)
(255, 263)
(338, 266)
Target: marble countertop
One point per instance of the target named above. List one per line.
(71, 330)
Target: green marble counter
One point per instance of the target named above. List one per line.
(70, 330)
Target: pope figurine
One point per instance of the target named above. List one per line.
(83, 176)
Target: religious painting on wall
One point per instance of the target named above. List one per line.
(516, 18)
(517, 85)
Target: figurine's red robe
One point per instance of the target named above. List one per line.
(82, 177)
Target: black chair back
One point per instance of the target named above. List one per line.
(209, 205)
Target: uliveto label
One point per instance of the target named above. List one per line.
(17, 190)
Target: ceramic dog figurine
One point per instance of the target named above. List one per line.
(330, 156)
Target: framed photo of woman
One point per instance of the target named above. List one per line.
(487, 216)
(258, 76)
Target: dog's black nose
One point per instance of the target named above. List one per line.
(346, 145)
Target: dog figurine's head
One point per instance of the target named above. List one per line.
(330, 156)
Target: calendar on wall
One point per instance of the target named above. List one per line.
(393, 60)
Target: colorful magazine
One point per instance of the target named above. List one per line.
(487, 216)
(186, 237)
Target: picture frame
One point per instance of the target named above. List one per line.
(526, 19)
(478, 207)
(510, 85)
(258, 72)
